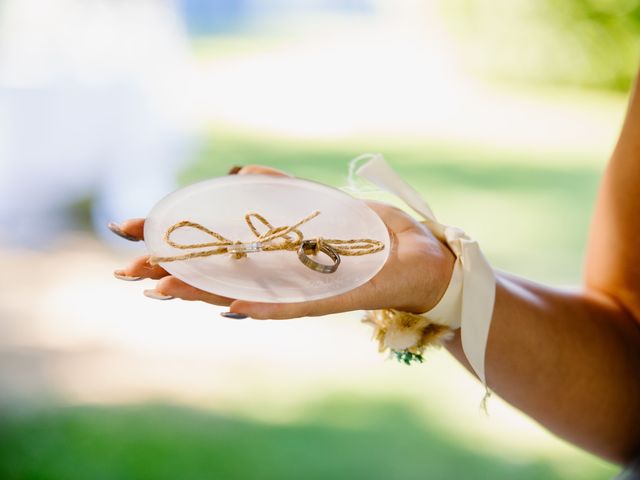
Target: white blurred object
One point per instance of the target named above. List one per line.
(94, 100)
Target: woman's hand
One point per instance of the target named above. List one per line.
(413, 279)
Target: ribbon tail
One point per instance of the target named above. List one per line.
(478, 298)
(377, 171)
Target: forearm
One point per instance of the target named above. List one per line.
(570, 360)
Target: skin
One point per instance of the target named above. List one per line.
(568, 359)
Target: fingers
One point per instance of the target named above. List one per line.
(132, 229)
(277, 311)
(280, 311)
(141, 268)
(170, 286)
(260, 169)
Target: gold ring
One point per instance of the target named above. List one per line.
(311, 247)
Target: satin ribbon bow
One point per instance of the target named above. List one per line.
(469, 300)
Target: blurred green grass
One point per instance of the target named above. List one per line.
(339, 438)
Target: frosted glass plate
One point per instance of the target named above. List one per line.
(220, 204)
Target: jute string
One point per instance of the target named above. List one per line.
(275, 238)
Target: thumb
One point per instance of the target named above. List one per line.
(260, 169)
(281, 311)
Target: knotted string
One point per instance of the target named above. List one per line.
(275, 238)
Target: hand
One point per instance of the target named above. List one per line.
(413, 279)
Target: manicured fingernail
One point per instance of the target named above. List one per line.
(235, 169)
(120, 275)
(156, 295)
(115, 228)
(234, 315)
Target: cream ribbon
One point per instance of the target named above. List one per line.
(469, 299)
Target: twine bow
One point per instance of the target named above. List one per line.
(275, 238)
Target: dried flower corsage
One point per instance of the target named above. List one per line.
(405, 334)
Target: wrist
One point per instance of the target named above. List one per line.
(439, 275)
(448, 309)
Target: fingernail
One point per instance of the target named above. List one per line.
(115, 228)
(156, 295)
(120, 275)
(234, 315)
(234, 170)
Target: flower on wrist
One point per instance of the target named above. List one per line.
(406, 335)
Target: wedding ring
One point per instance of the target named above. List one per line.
(309, 247)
